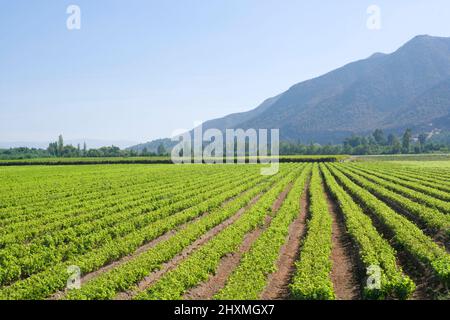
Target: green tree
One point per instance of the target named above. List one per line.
(353, 141)
(396, 147)
(144, 152)
(423, 139)
(60, 145)
(53, 149)
(406, 141)
(161, 150)
(312, 149)
(391, 140)
(379, 137)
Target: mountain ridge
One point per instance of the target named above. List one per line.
(408, 88)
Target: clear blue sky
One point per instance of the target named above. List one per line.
(139, 69)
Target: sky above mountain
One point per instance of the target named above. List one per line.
(138, 70)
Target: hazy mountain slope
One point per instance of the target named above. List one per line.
(152, 146)
(364, 95)
(407, 88)
(235, 119)
(438, 97)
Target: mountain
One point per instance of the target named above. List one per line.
(409, 88)
(152, 146)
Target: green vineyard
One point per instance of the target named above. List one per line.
(322, 231)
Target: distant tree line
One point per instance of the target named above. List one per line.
(22, 153)
(58, 149)
(375, 143)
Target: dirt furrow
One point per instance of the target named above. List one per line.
(345, 267)
(418, 272)
(89, 276)
(277, 204)
(439, 237)
(278, 282)
(207, 289)
(172, 264)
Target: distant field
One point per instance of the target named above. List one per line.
(437, 164)
(146, 160)
(313, 231)
(75, 161)
(406, 157)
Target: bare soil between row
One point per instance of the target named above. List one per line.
(207, 289)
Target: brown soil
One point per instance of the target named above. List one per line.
(85, 278)
(426, 285)
(172, 264)
(442, 239)
(278, 282)
(140, 250)
(228, 264)
(439, 237)
(277, 204)
(208, 289)
(344, 272)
